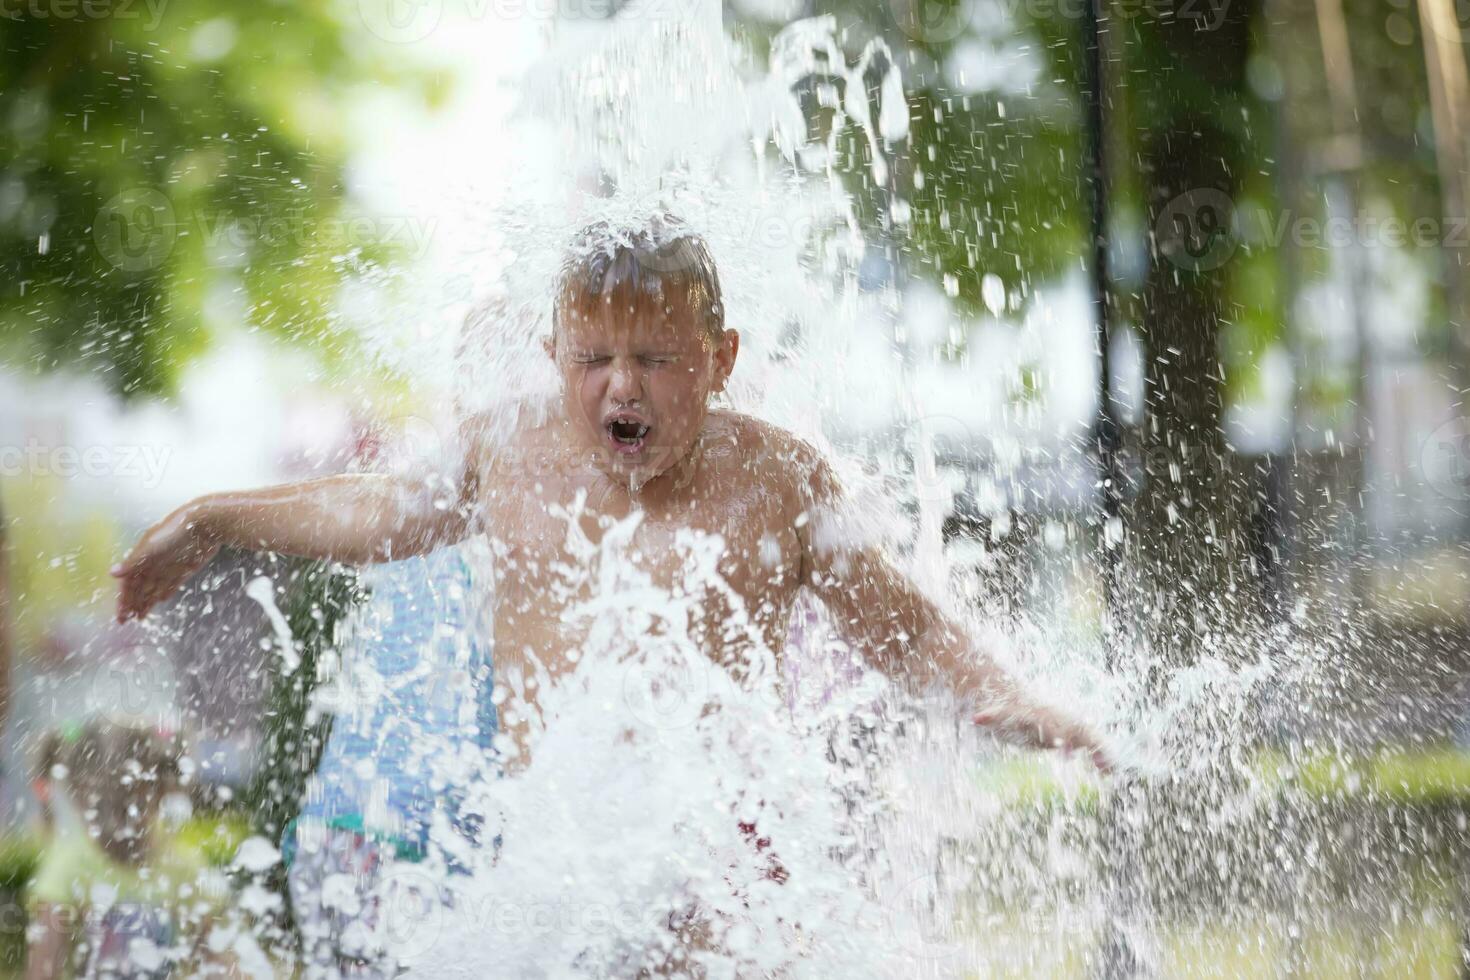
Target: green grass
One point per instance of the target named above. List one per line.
(216, 838)
(1021, 782)
(1422, 949)
(1429, 777)
(1418, 945)
(1427, 949)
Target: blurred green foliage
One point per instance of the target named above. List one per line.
(322, 594)
(19, 858)
(58, 561)
(166, 170)
(1432, 776)
(293, 735)
(995, 166)
(164, 163)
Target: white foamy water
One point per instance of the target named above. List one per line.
(666, 794)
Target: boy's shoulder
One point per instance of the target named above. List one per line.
(515, 437)
(758, 439)
(771, 451)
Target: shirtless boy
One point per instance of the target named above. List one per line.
(640, 343)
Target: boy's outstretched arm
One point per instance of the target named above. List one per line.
(354, 518)
(905, 634)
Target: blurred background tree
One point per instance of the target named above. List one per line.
(163, 157)
(171, 169)
(992, 186)
(1230, 127)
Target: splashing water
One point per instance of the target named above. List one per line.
(678, 815)
(656, 776)
(791, 814)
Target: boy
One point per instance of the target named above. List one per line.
(640, 344)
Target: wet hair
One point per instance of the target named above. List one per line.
(625, 266)
(117, 775)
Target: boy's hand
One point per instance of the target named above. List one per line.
(1046, 729)
(162, 560)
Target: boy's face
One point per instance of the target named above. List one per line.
(636, 382)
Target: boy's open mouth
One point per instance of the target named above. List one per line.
(627, 433)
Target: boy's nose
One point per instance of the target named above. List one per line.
(626, 383)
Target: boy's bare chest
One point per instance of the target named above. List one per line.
(727, 565)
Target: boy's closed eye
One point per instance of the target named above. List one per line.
(648, 359)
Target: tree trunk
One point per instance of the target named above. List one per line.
(1185, 80)
(1184, 523)
(7, 651)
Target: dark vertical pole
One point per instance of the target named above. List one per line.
(1106, 432)
(1122, 874)
(7, 616)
